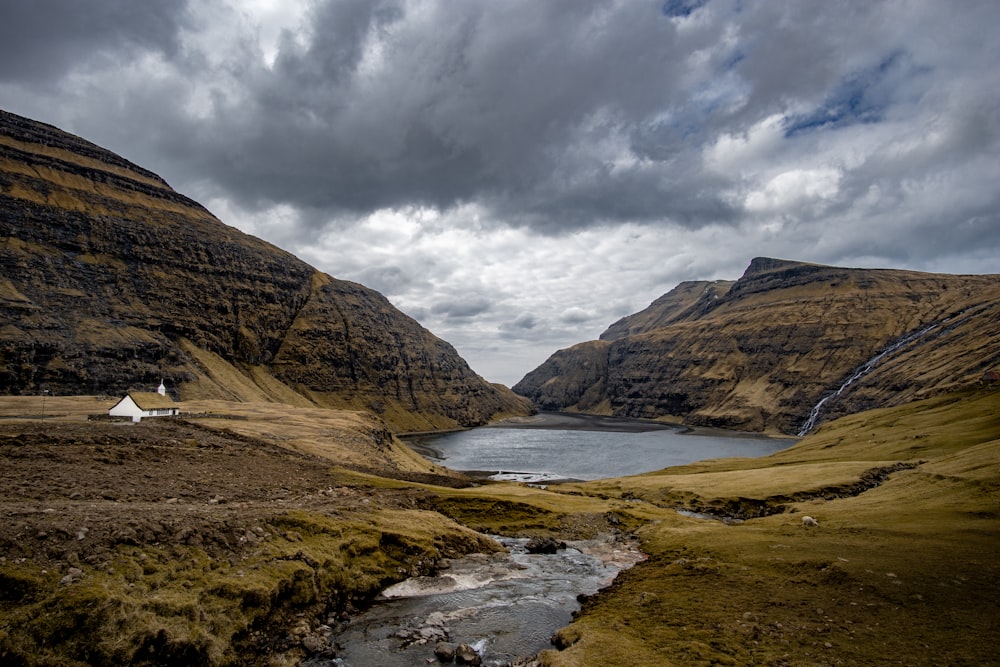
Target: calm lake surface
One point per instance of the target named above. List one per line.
(552, 446)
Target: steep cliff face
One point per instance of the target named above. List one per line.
(760, 353)
(109, 280)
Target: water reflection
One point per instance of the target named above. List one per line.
(562, 446)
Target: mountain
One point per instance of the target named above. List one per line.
(760, 353)
(110, 280)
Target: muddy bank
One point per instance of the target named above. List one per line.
(581, 422)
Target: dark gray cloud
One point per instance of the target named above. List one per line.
(42, 40)
(520, 327)
(554, 115)
(462, 307)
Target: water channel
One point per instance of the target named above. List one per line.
(505, 606)
(509, 605)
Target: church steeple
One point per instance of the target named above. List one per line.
(161, 390)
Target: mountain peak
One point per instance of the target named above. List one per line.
(766, 264)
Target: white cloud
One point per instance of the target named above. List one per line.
(791, 190)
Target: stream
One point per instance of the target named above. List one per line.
(505, 606)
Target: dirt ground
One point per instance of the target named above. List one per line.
(71, 490)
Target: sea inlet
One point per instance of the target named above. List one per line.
(550, 447)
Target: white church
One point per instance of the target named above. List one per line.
(141, 404)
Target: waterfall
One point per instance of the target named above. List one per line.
(867, 367)
(863, 370)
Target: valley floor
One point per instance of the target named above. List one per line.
(191, 542)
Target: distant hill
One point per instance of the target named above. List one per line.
(110, 280)
(760, 353)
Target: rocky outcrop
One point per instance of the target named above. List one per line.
(110, 280)
(759, 353)
(686, 301)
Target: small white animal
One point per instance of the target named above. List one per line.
(808, 521)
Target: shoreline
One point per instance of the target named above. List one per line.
(574, 421)
(425, 444)
(518, 477)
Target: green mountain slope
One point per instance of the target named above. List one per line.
(110, 280)
(760, 353)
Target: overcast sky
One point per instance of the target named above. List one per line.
(518, 174)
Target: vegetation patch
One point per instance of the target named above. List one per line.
(901, 569)
(169, 543)
(191, 545)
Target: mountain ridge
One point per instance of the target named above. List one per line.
(110, 280)
(759, 353)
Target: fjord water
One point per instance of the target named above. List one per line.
(567, 446)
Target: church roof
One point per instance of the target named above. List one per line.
(150, 400)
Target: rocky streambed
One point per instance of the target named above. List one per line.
(505, 607)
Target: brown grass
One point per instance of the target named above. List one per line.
(904, 573)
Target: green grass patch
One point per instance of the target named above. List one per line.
(177, 605)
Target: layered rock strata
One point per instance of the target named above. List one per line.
(759, 353)
(110, 280)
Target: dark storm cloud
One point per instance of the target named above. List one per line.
(40, 40)
(554, 115)
(524, 107)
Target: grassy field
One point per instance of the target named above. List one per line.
(901, 569)
(903, 573)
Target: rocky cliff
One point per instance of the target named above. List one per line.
(110, 280)
(760, 353)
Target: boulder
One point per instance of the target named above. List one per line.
(544, 545)
(466, 655)
(444, 652)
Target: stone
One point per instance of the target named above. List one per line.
(315, 644)
(466, 655)
(544, 545)
(444, 651)
(73, 575)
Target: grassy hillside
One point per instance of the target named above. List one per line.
(904, 572)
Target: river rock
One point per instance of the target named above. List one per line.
(444, 651)
(544, 545)
(466, 655)
(315, 644)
